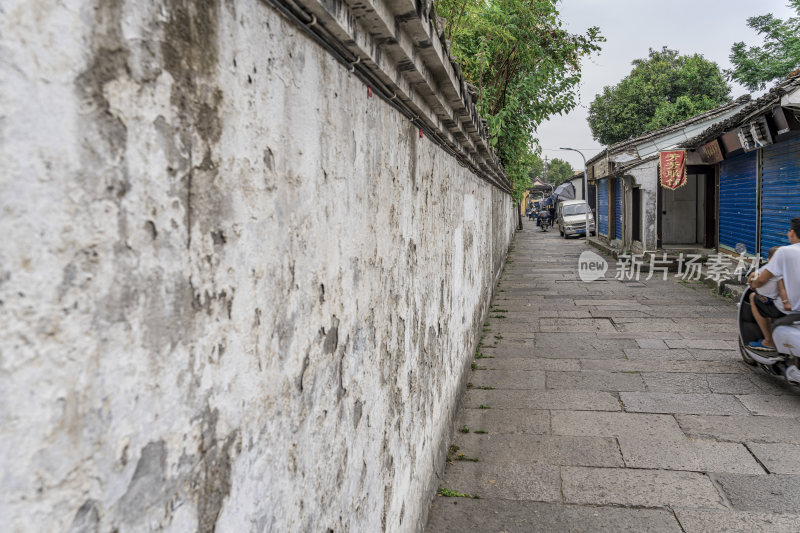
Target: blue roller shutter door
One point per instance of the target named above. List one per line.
(780, 192)
(738, 199)
(602, 206)
(618, 209)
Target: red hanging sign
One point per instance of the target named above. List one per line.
(673, 169)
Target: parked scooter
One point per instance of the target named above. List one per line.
(786, 333)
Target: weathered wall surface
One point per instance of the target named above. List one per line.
(235, 293)
(646, 176)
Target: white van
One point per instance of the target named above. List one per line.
(571, 218)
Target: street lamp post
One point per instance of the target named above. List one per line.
(585, 188)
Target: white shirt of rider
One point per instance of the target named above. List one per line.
(770, 288)
(786, 264)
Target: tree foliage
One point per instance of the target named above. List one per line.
(535, 169)
(662, 89)
(779, 55)
(524, 65)
(558, 171)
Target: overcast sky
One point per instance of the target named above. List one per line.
(631, 27)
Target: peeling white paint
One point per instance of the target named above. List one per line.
(239, 296)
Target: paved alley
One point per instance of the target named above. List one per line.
(616, 406)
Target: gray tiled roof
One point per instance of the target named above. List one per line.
(616, 147)
(768, 100)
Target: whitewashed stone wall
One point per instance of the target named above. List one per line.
(235, 292)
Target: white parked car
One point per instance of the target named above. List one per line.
(571, 218)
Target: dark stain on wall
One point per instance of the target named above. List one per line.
(212, 481)
(87, 518)
(148, 484)
(190, 51)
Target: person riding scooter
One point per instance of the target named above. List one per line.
(785, 263)
(543, 220)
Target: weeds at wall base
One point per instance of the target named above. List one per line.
(449, 493)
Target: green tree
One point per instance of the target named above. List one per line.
(662, 89)
(524, 66)
(779, 55)
(558, 171)
(535, 169)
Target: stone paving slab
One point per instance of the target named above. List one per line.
(775, 493)
(732, 384)
(741, 428)
(608, 302)
(659, 355)
(527, 363)
(717, 355)
(634, 336)
(505, 349)
(693, 404)
(498, 421)
(546, 449)
(645, 488)
(772, 384)
(606, 424)
(581, 343)
(616, 314)
(729, 320)
(728, 521)
(598, 381)
(655, 365)
(524, 345)
(702, 344)
(714, 333)
(637, 319)
(771, 405)
(575, 325)
(547, 399)
(614, 309)
(778, 458)
(509, 481)
(513, 338)
(518, 316)
(654, 325)
(580, 313)
(711, 328)
(457, 515)
(678, 382)
(508, 379)
(652, 344)
(574, 353)
(690, 455)
(687, 432)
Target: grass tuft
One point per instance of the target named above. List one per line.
(449, 493)
(451, 452)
